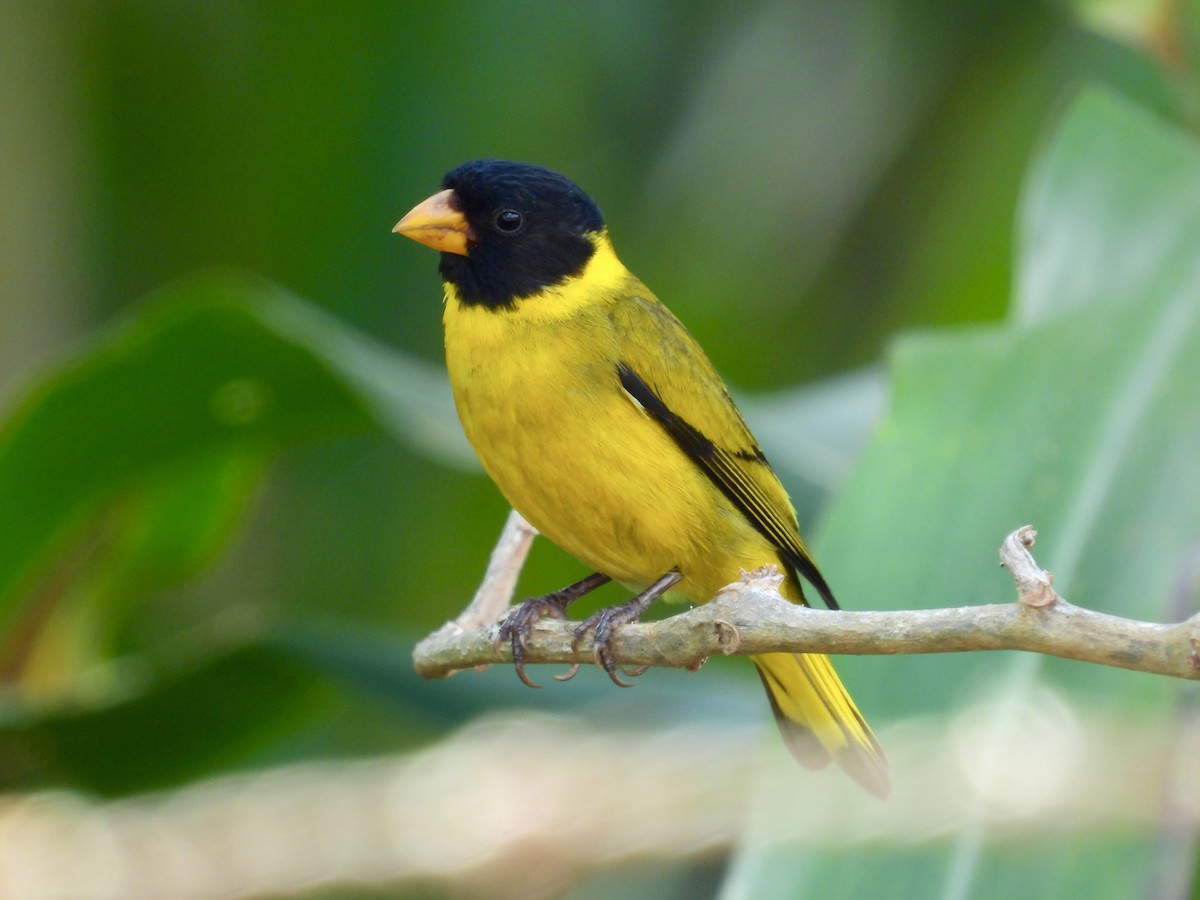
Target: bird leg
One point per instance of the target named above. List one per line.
(518, 624)
(607, 620)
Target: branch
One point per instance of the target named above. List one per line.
(750, 617)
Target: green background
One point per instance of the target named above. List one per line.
(233, 493)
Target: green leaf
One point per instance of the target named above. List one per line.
(1109, 211)
(1084, 419)
(149, 537)
(126, 470)
(170, 527)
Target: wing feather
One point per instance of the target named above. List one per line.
(713, 435)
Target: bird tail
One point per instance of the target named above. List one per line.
(819, 721)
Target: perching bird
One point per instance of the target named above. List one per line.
(603, 423)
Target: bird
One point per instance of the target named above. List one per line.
(604, 424)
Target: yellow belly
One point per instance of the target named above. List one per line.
(573, 453)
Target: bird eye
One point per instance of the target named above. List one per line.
(509, 221)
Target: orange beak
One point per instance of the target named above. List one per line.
(437, 224)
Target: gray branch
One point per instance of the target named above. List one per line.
(750, 617)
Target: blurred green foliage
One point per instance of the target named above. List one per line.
(233, 487)
(1079, 414)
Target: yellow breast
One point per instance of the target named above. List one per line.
(537, 392)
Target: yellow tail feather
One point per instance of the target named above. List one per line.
(819, 721)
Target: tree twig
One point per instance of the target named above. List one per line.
(750, 617)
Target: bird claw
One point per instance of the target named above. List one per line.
(569, 674)
(602, 625)
(517, 626)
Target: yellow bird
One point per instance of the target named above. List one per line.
(604, 424)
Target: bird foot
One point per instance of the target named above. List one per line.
(604, 623)
(517, 626)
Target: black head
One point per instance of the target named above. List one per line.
(529, 230)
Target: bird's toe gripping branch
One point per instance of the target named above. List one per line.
(517, 626)
(603, 625)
